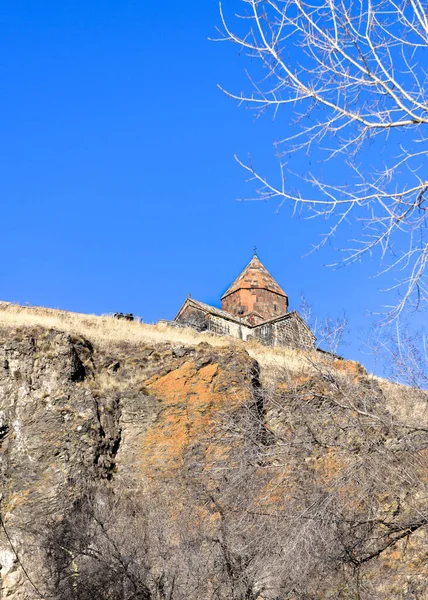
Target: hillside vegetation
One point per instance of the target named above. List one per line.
(154, 463)
(109, 332)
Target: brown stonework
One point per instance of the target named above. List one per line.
(254, 307)
(256, 294)
(290, 331)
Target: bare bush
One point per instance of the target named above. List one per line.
(311, 489)
(337, 488)
(98, 551)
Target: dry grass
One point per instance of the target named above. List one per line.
(108, 332)
(103, 330)
(408, 405)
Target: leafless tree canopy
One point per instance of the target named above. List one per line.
(329, 331)
(403, 351)
(347, 73)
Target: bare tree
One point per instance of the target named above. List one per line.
(303, 492)
(329, 331)
(340, 485)
(99, 550)
(403, 352)
(352, 77)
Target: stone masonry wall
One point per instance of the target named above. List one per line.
(192, 317)
(225, 327)
(199, 320)
(264, 302)
(290, 333)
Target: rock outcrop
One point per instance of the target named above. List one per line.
(168, 471)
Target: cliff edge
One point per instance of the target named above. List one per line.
(154, 463)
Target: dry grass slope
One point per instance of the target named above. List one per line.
(109, 332)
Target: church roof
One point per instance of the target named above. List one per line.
(212, 310)
(255, 276)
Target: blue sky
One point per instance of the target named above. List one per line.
(118, 186)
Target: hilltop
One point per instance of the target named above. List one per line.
(154, 462)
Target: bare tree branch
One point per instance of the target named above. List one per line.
(348, 73)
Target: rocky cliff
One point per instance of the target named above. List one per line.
(137, 467)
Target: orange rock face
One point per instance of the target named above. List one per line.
(191, 398)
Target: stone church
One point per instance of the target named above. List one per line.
(254, 306)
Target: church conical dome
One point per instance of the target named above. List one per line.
(255, 295)
(255, 275)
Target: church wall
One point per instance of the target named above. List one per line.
(264, 302)
(290, 333)
(192, 317)
(225, 327)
